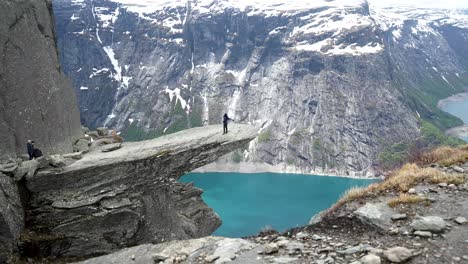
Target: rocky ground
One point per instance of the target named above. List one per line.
(367, 230)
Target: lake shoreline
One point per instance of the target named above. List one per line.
(454, 98)
(447, 105)
(252, 168)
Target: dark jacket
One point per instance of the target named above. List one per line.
(226, 119)
(30, 148)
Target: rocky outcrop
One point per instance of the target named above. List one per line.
(108, 200)
(36, 99)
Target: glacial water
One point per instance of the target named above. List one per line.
(459, 108)
(248, 203)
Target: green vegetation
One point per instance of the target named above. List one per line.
(394, 155)
(431, 136)
(237, 156)
(424, 99)
(264, 136)
(317, 144)
(134, 132)
(426, 96)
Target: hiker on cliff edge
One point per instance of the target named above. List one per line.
(30, 148)
(226, 119)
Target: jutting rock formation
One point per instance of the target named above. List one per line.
(126, 194)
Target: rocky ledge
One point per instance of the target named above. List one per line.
(119, 195)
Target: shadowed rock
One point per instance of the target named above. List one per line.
(110, 200)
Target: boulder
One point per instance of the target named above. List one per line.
(93, 134)
(433, 224)
(458, 169)
(378, 214)
(101, 142)
(271, 248)
(102, 131)
(302, 235)
(57, 161)
(460, 220)
(8, 168)
(111, 147)
(81, 145)
(28, 167)
(370, 259)
(397, 217)
(398, 254)
(423, 233)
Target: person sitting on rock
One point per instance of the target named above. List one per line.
(35, 152)
(226, 119)
(30, 148)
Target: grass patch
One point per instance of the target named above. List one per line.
(404, 198)
(402, 180)
(446, 156)
(397, 154)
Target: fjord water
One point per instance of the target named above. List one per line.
(249, 202)
(458, 107)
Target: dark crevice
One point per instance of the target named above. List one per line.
(17, 20)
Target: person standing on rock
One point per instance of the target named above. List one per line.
(30, 148)
(226, 119)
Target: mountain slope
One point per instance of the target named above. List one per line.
(330, 84)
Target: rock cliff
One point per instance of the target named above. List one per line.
(36, 99)
(109, 200)
(331, 84)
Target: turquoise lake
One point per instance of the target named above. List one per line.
(249, 202)
(458, 108)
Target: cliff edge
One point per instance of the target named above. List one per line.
(115, 196)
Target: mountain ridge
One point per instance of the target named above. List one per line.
(328, 86)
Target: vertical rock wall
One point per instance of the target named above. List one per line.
(36, 99)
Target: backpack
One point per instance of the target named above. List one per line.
(37, 153)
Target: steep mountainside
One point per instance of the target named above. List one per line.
(330, 83)
(36, 99)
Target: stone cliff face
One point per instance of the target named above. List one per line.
(36, 99)
(330, 84)
(106, 201)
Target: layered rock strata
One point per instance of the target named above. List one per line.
(109, 200)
